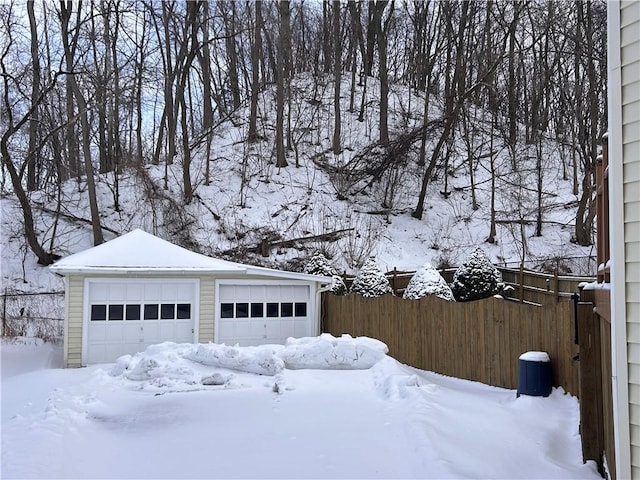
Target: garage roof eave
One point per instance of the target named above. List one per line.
(255, 271)
(140, 271)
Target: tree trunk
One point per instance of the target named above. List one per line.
(232, 55)
(98, 238)
(207, 105)
(283, 11)
(33, 158)
(337, 75)
(381, 33)
(256, 51)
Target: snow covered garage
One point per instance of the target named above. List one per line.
(138, 290)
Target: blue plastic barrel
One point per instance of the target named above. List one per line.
(534, 374)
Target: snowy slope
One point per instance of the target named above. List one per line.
(248, 200)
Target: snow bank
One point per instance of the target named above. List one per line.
(330, 353)
(171, 364)
(261, 360)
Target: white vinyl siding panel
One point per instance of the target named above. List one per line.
(632, 214)
(631, 234)
(633, 301)
(635, 451)
(73, 329)
(634, 394)
(630, 131)
(630, 90)
(631, 74)
(632, 171)
(629, 13)
(207, 309)
(633, 353)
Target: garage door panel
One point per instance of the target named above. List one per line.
(96, 353)
(226, 330)
(301, 328)
(107, 340)
(257, 293)
(98, 293)
(132, 329)
(301, 294)
(115, 332)
(272, 310)
(184, 332)
(152, 292)
(116, 292)
(152, 333)
(184, 293)
(134, 293)
(167, 330)
(98, 332)
(272, 291)
(256, 328)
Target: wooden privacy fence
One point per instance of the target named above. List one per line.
(478, 341)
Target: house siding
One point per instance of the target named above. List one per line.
(73, 325)
(207, 309)
(630, 99)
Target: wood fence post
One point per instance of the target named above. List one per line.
(394, 286)
(591, 417)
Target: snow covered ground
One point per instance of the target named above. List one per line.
(321, 408)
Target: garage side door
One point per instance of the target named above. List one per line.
(263, 314)
(126, 316)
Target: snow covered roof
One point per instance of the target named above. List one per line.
(141, 252)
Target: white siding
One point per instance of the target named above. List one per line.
(207, 309)
(73, 325)
(630, 99)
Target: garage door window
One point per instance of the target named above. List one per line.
(226, 310)
(286, 309)
(301, 309)
(151, 312)
(132, 312)
(273, 310)
(183, 311)
(257, 310)
(167, 311)
(242, 310)
(98, 313)
(115, 312)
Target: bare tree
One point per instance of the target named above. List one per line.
(256, 50)
(69, 47)
(337, 69)
(12, 126)
(283, 15)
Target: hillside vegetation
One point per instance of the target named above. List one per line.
(265, 131)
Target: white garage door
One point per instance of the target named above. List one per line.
(126, 316)
(261, 314)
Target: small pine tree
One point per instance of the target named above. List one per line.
(319, 265)
(370, 281)
(476, 278)
(338, 287)
(428, 281)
